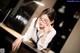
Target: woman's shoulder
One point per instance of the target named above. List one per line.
(53, 30)
(34, 19)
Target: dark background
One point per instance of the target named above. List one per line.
(68, 25)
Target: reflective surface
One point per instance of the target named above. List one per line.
(22, 16)
(64, 22)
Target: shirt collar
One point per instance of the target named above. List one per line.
(37, 25)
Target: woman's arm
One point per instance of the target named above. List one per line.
(29, 32)
(16, 44)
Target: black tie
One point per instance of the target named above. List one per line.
(37, 36)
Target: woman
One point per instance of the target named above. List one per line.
(41, 30)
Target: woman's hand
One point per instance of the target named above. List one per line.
(16, 44)
(47, 29)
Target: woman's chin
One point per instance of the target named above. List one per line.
(41, 27)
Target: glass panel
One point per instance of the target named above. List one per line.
(22, 16)
(64, 22)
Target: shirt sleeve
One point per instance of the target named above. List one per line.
(29, 32)
(47, 41)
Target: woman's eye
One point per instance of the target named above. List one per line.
(45, 20)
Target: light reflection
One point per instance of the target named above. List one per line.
(61, 24)
(69, 29)
(39, 3)
(22, 19)
(62, 9)
(63, 37)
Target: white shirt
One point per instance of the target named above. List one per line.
(31, 33)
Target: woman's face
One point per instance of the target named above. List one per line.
(44, 21)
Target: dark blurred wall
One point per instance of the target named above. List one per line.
(6, 4)
(69, 22)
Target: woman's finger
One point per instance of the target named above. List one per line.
(18, 45)
(14, 47)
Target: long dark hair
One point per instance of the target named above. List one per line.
(50, 12)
